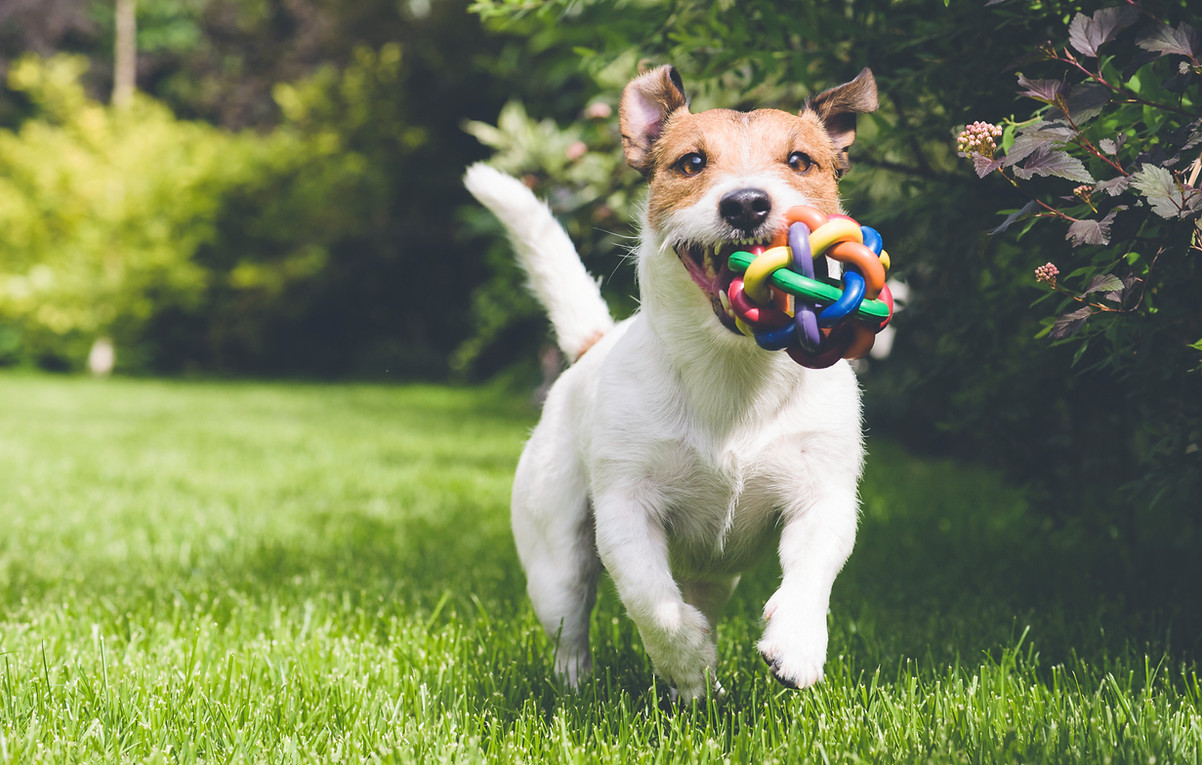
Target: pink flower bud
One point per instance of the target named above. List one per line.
(576, 150)
(978, 138)
(1047, 273)
(598, 110)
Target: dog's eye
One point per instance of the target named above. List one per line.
(691, 163)
(800, 162)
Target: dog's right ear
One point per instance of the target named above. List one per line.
(838, 107)
(647, 101)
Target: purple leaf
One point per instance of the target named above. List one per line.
(1114, 186)
(1167, 198)
(1103, 283)
(1165, 40)
(1040, 90)
(1130, 284)
(1108, 146)
(1092, 231)
(1085, 101)
(1195, 137)
(1070, 323)
(1041, 135)
(1087, 33)
(1053, 162)
(1087, 232)
(984, 165)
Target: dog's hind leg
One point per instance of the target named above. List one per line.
(553, 530)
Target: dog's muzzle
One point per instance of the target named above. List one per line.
(707, 265)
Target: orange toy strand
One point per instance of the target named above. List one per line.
(864, 261)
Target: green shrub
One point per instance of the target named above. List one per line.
(1113, 152)
(112, 217)
(1097, 434)
(197, 248)
(101, 211)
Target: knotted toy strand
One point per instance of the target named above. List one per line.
(783, 301)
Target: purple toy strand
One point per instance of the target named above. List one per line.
(805, 314)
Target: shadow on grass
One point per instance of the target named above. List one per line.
(952, 562)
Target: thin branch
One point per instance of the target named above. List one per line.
(1050, 212)
(1130, 98)
(898, 167)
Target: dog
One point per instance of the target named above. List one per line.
(674, 451)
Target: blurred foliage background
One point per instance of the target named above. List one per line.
(282, 198)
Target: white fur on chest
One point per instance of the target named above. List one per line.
(716, 465)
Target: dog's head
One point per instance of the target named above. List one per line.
(721, 180)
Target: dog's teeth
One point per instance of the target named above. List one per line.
(725, 301)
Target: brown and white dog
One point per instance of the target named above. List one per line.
(675, 451)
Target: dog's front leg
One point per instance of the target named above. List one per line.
(633, 547)
(815, 543)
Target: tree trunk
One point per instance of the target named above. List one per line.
(125, 52)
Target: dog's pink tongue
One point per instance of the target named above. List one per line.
(698, 273)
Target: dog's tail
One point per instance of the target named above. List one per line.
(556, 276)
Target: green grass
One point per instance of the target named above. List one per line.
(229, 572)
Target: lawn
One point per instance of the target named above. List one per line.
(235, 572)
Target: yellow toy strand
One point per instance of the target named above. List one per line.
(755, 279)
(834, 230)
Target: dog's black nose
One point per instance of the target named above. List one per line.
(745, 209)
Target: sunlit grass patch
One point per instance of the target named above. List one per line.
(270, 572)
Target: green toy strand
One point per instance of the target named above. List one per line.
(811, 289)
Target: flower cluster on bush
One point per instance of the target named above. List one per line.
(978, 138)
(1124, 134)
(1121, 119)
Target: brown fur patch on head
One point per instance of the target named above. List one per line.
(744, 143)
(658, 132)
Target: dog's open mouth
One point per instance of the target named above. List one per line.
(707, 264)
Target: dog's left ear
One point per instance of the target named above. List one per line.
(647, 102)
(838, 107)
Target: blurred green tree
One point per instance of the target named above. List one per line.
(107, 211)
(97, 234)
(338, 253)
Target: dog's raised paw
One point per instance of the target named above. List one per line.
(794, 646)
(795, 675)
(796, 681)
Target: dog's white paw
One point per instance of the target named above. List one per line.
(573, 667)
(716, 690)
(794, 643)
(681, 649)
